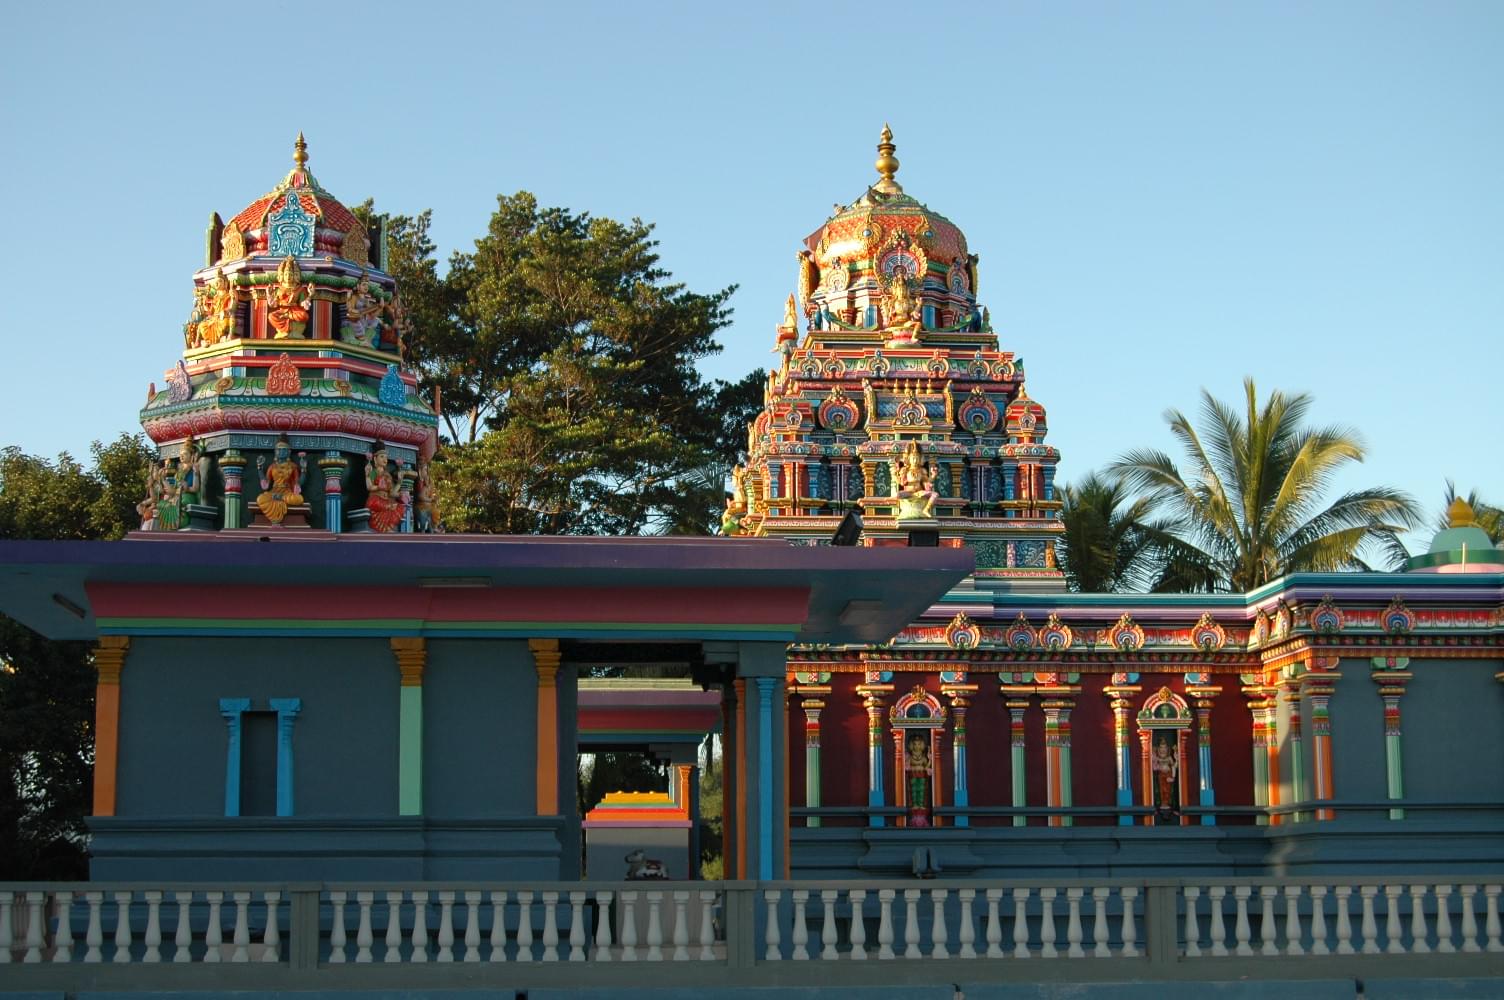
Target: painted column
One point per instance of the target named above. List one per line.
(812, 707)
(546, 663)
(872, 700)
(1291, 697)
(1389, 673)
(287, 710)
(109, 661)
(1204, 696)
(333, 465)
(1016, 761)
(232, 468)
(960, 701)
(1259, 740)
(409, 476)
(1317, 686)
(1057, 753)
(412, 657)
(733, 781)
(1146, 774)
(763, 707)
(900, 786)
(233, 709)
(1271, 750)
(1121, 696)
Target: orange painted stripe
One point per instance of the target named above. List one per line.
(741, 779)
(106, 747)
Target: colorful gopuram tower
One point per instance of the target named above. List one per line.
(290, 408)
(898, 403)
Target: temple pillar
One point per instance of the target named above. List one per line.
(412, 656)
(1317, 686)
(733, 782)
(812, 707)
(1290, 694)
(408, 477)
(1018, 743)
(1121, 699)
(546, 663)
(1270, 710)
(960, 700)
(1057, 705)
(233, 710)
(872, 700)
(1203, 696)
(287, 710)
(1389, 673)
(109, 660)
(764, 721)
(232, 469)
(333, 465)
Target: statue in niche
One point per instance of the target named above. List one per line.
(213, 315)
(736, 503)
(383, 492)
(903, 315)
(288, 302)
(913, 487)
(363, 312)
(1164, 764)
(193, 473)
(918, 774)
(281, 482)
(169, 512)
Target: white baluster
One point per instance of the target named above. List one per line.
(153, 936)
(1192, 927)
(1293, 932)
(7, 935)
(472, 925)
(93, 937)
(242, 934)
(1369, 927)
(499, 926)
(1419, 933)
(1469, 920)
(36, 924)
(1491, 918)
(1047, 923)
(62, 943)
(419, 938)
(1318, 921)
(1444, 920)
(1392, 919)
(939, 933)
(525, 924)
(363, 936)
(772, 951)
(1267, 930)
(215, 930)
(968, 932)
(681, 927)
(271, 941)
(603, 926)
(1215, 895)
(800, 937)
(1099, 932)
(911, 924)
(336, 927)
(655, 926)
(885, 924)
(551, 926)
(393, 939)
(1130, 922)
(576, 927)
(707, 928)
(994, 924)
(1073, 924)
(1240, 931)
(446, 928)
(828, 925)
(122, 927)
(628, 934)
(1021, 922)
(1344, 920)
(858, 898)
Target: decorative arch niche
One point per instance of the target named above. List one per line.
(1164, 726)
(918, 723)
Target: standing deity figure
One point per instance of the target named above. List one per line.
(383, 492)
(147, 508)
(912, 486)
(917, 774)
(281, 482)
(423, 519)
(363, 312)
(903, 314)
(1166, 769)
(736, 503)
(169, 510)
(288, 302)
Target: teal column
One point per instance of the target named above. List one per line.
(1121, 701)
(334, 465)
(1207, 794)
(1390, 674)
(765, 790)
(763, 665)
(1016, 709)
(412, 656)
(287, 710)
(960, 793)
(232, 468)
(233, 709)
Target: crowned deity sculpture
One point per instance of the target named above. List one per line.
(736, 503)
(919, 775)
(193, 472)
(913, 487)
(213, 316)
(903, 314)
(423, 512)
(383, 492)
(363, 312)
(281, 481)
(155, 481)
(288, 302)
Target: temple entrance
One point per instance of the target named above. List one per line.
(1163, 725)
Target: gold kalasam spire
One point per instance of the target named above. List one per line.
(300, 151)
(887, 164)
(1460, 514)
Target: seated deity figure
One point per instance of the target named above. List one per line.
(736, 503)
(281, 482)
(903, 314)
(147, 508)
(363, 311)
(383, 492)
(213, 316)
(288, 302)
(912, 486)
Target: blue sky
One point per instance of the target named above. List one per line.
(1165, 196)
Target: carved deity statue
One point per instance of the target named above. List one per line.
(903, 314)
(281, 482)
(363, 312)
(147, 508)
(169, 511)
(288, 302)
(193, 473)
(383, 492)
(213, 316)
(736, 503)
(913, 487)
(918, 775)
(423, 519)
(1166, 769)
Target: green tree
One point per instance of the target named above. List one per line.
(1112, 544)
(1251, 509)
(47, 688)
(1485, 515)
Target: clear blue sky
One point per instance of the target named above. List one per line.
(1165, 196)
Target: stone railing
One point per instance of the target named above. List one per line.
(335, 936)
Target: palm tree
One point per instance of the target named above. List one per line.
(1110, 543)
(1251, 510)
(1485, 515)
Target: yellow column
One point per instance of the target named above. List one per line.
(546, 661)
(109, 660)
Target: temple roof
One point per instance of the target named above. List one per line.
(311, 196)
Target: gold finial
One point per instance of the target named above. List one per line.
(1460, 514)
(300, 151)
(887, 164)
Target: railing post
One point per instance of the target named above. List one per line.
(1161, 935)
(303, 926)
(741, 927)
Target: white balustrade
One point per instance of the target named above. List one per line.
(885, 924)
(939, 934)
(1293, 932)
(800, 936)
(242, 935)
(1047, 923)
(1392, 919)
(1192, 927)
(393, 938)
(576, 928)
(1021, 922)
(994, 924)
(472, 925)
(7, 936)
(1444, 920)
(602, 951)
(858, 899)
(62, 949)
(363, 938)
(967, 935)
(1099, 922)
(1216, 894)
(336, 927)
(36, 925)
(1418, 930)
(123, 927)
(772, 952)
(1344, 920)
(1469, 919)
(1491, 921)
(499, 927)
(1129, 933)
(629, 926)
(707, 927)
(681, 926)
(551, 926)
(655, 926)
(446, 928)
(419, 939)
(93, 937)
(525, 925)
(213, 933)
(828, 924)
(1266, 921)
(911, 924)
